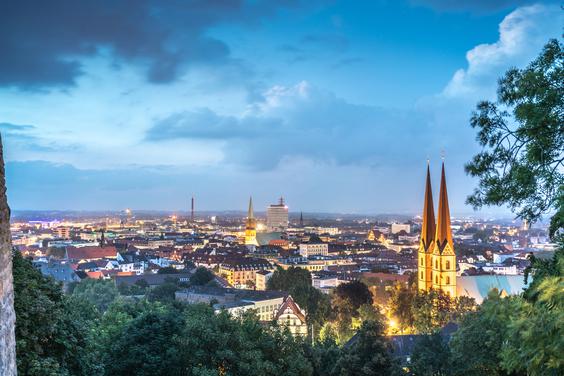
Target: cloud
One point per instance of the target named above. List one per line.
(300, 121)
(42, 44)
(522, 34)
(473, 5)
(27, 138)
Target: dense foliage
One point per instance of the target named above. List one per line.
(522, 135)
(426, 311)
(96, 331)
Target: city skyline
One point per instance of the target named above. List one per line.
(338, 111)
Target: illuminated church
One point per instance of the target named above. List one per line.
(251, 226)
(437, 258)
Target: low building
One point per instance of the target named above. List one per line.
(235, 301)
(290, 316)
(242, 272)
(152, 280)
(61, 271)
(262, 277)
(314, 247)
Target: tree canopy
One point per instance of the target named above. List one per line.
(522, 136)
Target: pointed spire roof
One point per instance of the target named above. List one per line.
(250, 213)
(428, 226)
(444, 232)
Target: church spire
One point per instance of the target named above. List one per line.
(444, 232)
(428, 226)
(250, 214)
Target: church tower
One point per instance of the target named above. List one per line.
(251, 226)
(426, 242)
(444, 257)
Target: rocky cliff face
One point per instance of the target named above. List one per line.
(7, 314)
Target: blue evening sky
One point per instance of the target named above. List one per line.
(337, 105)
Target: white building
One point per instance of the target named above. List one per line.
(277, 217)
(314, 247)
(397, 227)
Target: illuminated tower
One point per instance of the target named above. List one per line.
(444, 257)
(426, 241)
(251, 226)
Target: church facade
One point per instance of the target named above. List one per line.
(436, 255)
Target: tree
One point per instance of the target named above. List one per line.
(52, 330)
(522, 136)
(346, 299)
(99, 292)
(368, 354)
(430, 356)
(201, 276)
(167, 270)
(401, 305)
(146, 344)
(434, 309)
(164, 293)
(533, 344)
(213, 344)
(476, 346)
(297, 282)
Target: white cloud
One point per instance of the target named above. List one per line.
(522, 34)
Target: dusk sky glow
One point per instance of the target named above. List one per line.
(336, 105)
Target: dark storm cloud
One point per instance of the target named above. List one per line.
(42, 42)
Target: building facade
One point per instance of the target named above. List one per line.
(277, 217)
(314, 247)
(436, 256)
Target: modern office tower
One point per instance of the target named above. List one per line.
(277, 216)
(251, 226)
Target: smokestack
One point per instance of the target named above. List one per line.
(192, 211)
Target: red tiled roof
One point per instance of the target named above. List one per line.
(91, 252)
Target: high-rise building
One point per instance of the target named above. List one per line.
(437, 257)
(277, 216)
(251, 226)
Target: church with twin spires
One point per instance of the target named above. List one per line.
(436, 255)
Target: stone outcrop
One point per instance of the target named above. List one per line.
(7, 314)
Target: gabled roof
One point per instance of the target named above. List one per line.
(289, 303)
(91, 252)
